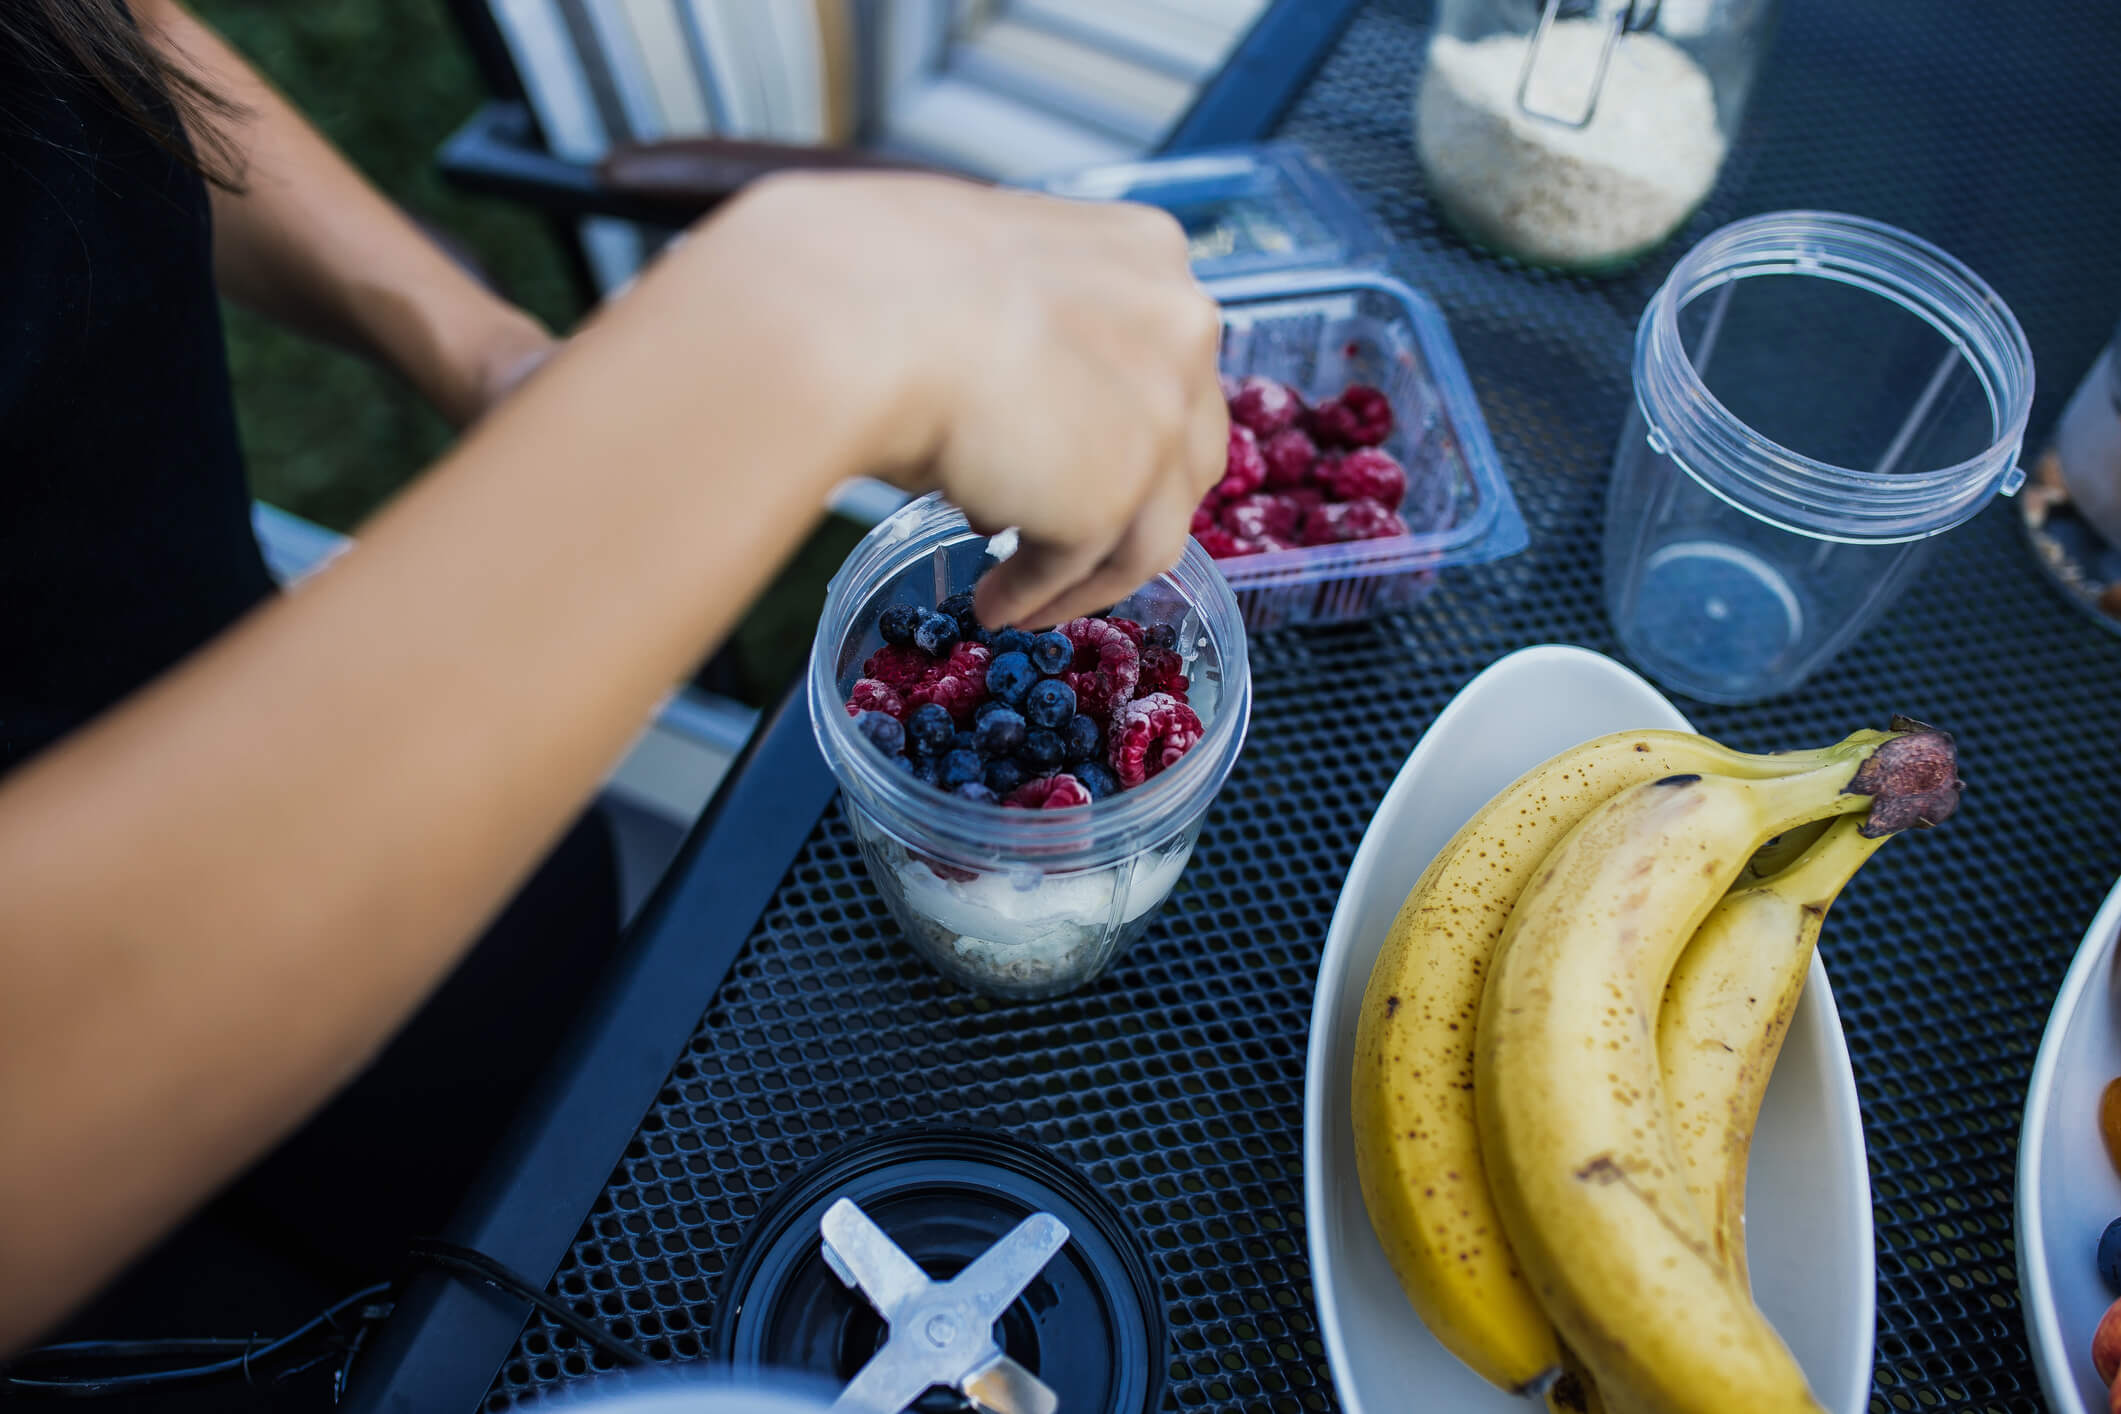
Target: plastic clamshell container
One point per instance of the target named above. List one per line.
(1308, 298)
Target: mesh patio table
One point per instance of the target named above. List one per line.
(768, 1010)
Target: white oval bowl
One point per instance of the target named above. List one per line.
(1808, 1191)
(2067, 1189)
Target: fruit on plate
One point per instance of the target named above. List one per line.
(1425, 1180)
(1417, 1145)
(1726, 1009)
(1574, 1124)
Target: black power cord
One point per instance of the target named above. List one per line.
(255, 1361)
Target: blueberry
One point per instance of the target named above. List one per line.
(2110, 1254)
(1000, 734)
(929, 728)
(904, 763)
(1005, 775)
(1160, 636)
(1042, 750)
(959, 768)
(1009, 677)
(964, 741)
(937, 635)
(1050, 704)
(924, 768)
(1051, 652)
(979, 791)
(1012, 640)
(898, 622)
(959, 607)
(1082, 738)
(1097, 779)
(882, 731)
(987, 709)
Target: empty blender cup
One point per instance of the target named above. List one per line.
(1817, 398)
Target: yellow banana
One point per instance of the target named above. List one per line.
(1727, 1007)
(1572, 1113)
(1417, 1148)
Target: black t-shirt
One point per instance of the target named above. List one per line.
(125, 538)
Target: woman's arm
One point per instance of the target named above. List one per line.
(219, 900)
(309, 242)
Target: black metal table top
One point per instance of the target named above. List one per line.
(1177, 1082)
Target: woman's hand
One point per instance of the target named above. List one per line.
(1048, 364)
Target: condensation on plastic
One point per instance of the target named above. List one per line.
(1177, 1081)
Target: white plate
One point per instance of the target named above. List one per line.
(2067, 1190)
(1808, 1193)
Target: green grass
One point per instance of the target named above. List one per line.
(330, 437)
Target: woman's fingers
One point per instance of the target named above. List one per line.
(1022, 589)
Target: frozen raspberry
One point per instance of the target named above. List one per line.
(1148, 737)
(1351, 520)
(1289, 454)
(1204, 514)
(1106, 667)
(1163, 671)
(1245, 470)
(1134, 631)
(1305, 497)
(1265, 406)
(872, 696)
(1257, 517)
(1222, 545)
(1055, 792)
(959, 683)
(1364, 475)
(1268, 544)
(900, 666)
(1360, 417)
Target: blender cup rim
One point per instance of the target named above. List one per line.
(1119, 824)
(1787, 488)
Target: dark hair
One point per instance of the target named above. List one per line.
(100, 42)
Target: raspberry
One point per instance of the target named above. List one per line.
(1351, 520)
(1149, 735)
(1289, 455)
(1305, 497)
(1245, 469)
(1221, 544)
(959, 684)
(1360, 417)
(1107, 664)
(1365, 475)
(1265, 406)
(1134, 631)
(1055, 792)
(1257, 517)
(869, 695)
(1163, 671)
(1268, 544)
(1204, 514)
(899, 665)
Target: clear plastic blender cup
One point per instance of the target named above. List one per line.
(1817, 397)
(1021, 903)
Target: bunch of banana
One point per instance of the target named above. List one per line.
(1551, 1118)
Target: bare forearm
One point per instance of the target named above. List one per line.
(309, 242)
(218, 901)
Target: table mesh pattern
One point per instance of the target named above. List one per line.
(1177, 1083)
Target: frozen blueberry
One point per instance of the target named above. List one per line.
(1005, 776)
(904, 763)
(959, 768)
(1160, 636)
(1009, 677)
(898, 622)
(2110, 1254)
(959, 607)
(1050, 704)
(1042, 750)
(1082, 738)
(979, 791)
(1097, 779)
(937, 635)
(987, 709)
(929, 729)
(964, 741)
(1000, 734)
(1051, 652)
(882, 731)
(1012, 640)
(924, 768)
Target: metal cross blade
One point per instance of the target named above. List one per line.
(942, 1332)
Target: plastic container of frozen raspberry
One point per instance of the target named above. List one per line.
(1020, 904)
(1311, 297)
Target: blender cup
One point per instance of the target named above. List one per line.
(1817, 397)
(1020, 904)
